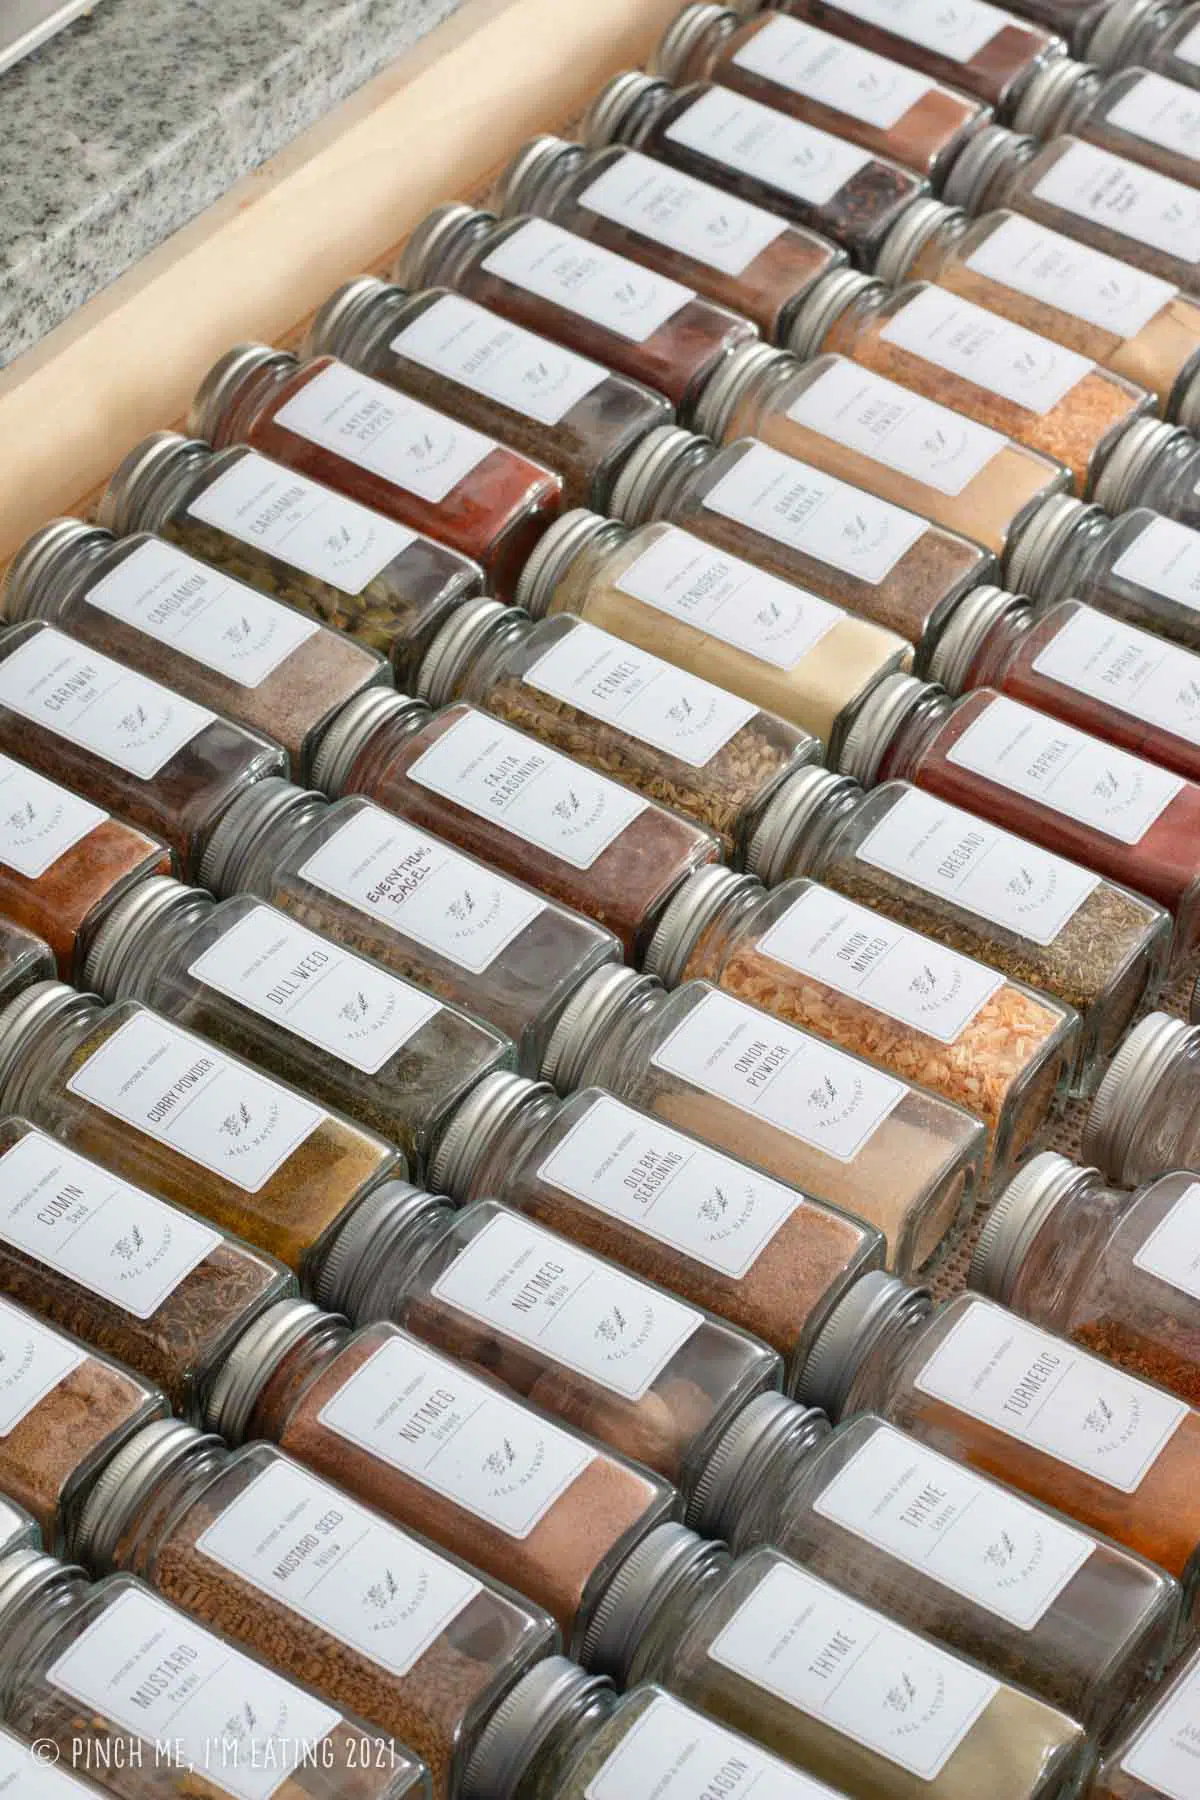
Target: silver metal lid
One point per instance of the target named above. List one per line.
(1051, 93)
(877, 718)
(116, 952)
(919, 221)
(1114, 36)
(553, 1693)
(468, 626)
(127, 1480)
(692, 909)
(1041, 540)
(132, 501)
(223, 381)
(609, 112)
(521, 186)
(44, 562)
(434, 240)
(1132, 460)
(1121, 1099)
(1016, 1217)
(1185, 409)
(684, 35)
(467, 1137)
(990, 151)
(353, 726)
(961, 637)
(553, 555)
(337, 320)
(768, 1441)
(731, 380)
(825, 303)
(665, 1561)
(853, 1329)
(647, 469)
(583, 1021)
(26, 1573)
(233, 842)
(25, 1015)
(378, 1226)
(1194, 1008)
(254, 1358)
(800, 799)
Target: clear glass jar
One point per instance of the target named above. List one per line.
(804, 527)
(445, 922)
(317, 551)
(597, 301)
(1172, 44)
(853, 423)
(122, 741)
(669, 735)
(860, 97)
(214, 639)
(398, 457)
(145, 1282)
(63, 1639)
(1061, 787)
(24, 959)
(164, 1108)
(416, 1437)
(574, 834)
(1074, 20)
(1143, 1119)
(741, 255)
(300, 1006)
(958, 880)
(1009, 1399)
(1000, 375)
(1139, 115)
(270, 1556)
(577, 1336)
(808, 176)
(933, 1017)
(773, 643)
(757, 1642)
(1077, 1620)
(785, 1101)
(1155, 1759)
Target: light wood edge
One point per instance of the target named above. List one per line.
(433, 126)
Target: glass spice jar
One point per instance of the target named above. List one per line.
(1155, 465)
(821, 80)
(109, 1677)
(345, 1030)
(807, 176)
(744, 257)
(1072, 20)
(531, 812)
(1072, 1617)
(24, 958)
(815, 1676)
(208, 636)
(1143, 1119)
(429, 1445)
(959, 880)
(667, 734)
(997, 374)
(578, 1337)
(814, 959)
(317, 551)
(806, 528)
(783, 1100)
(378, 888)
(162, 1107)
(596, 301)
(1061, 787)
(145, 1282)
(1155, 1759)
(273, 1558)
(1163, 36)
(775, 644)
(120, 740)
(852, 423)
(543, 399)
(395, 455)
(1138, 114)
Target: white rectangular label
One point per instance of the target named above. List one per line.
(325, 995)
(1044, 1392)
(1085, 779)
(1164, 558)
(833, 73)
(1075, 279)
(890, 425)
(185, 1093)
(816, 514)
(958, 31)
(958, 1528)
(571, 1307)
(307, 526)
(311, 1549)
(539, 796)
(1130, 201)
(820, 1651)
(1129, 670)
(97, 704)
(1166, 1753)
(25, 1775)
(1188, 48)
(783, 154)
(39, 821)
(96, 1229)
(163, 1678)
(33, 1359)
(489, 356)
(587, 280)
(898, 972)
(976, 866)
(423, 889)
(441, 1427)
(708, 1206)
(377, 428)
(638, 694)
(985, 349)
(794, 1082)
(690, 216)
(201, 612)
(673, 1753)
(688, 580)
(1172, 1251)
(1162, 112)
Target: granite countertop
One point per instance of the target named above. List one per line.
(140, 115)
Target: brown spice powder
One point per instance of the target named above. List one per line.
(63, 904)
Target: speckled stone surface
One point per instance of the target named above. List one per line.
(136, 118)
